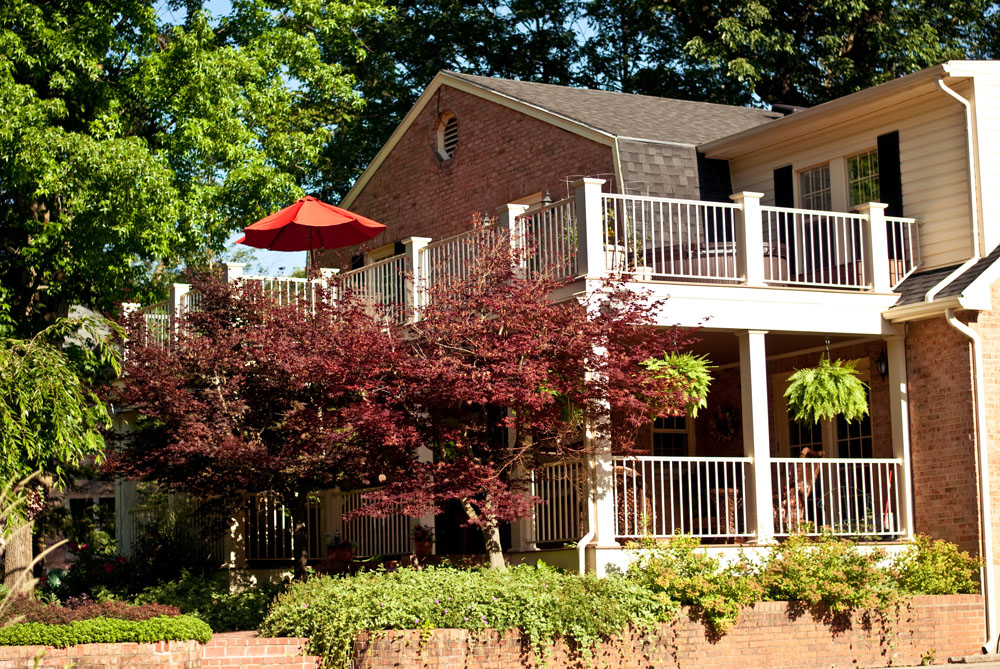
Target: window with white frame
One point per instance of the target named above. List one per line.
(673, 436)
(814, 188)
(862, 178)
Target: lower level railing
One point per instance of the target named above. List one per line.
(662, 496)
(386, 535)
(270, 530)
(846, 497)
(561, 515)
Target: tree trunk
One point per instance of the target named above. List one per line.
(490, 527)
(17, 558)
(300, 533)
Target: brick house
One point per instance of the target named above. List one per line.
(859, 226)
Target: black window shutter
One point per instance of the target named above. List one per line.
(889, 182)
(357, 260)
(784, 191)
(398, 249)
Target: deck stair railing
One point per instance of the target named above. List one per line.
(660, 496)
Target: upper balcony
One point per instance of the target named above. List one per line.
(656, 241)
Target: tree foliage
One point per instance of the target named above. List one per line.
(50, 416)
(131, 144)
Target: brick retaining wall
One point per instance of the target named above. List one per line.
(771, 634)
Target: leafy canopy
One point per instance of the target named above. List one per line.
(130, 145)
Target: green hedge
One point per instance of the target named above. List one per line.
(106, 630)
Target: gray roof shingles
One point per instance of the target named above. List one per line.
(627, 115)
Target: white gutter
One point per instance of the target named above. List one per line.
(989, 591)
(973, 194)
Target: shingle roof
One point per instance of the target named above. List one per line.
(965, 279)
(627, 115)
(915, 287)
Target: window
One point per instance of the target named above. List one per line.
(447, 135)
(672, 436)
(814, 189)
(862, 178)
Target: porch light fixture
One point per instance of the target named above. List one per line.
(547, 199)
(882, 365)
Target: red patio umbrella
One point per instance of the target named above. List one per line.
(307, 225)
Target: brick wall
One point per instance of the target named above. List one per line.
(235, 649)
(987, 324)
(502, 155)
(771, 634)
(942, 437)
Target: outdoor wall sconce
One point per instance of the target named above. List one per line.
(882, 365)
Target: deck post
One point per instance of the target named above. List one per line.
(590, 257)
(900, 420)
(510, 221)
(876, 250)
(424, 454)
(234, 271)
(416, 282)
(756, 434)
(749, 235)
(176, 306)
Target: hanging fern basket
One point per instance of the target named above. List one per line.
(687, 372)
(826, 391)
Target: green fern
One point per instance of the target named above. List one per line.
(689, 371)
(827, 390)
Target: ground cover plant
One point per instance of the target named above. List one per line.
(829, 575)
(106, 630)
(225, 610)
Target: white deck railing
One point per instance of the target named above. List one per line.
(904, 251)
(452, 258)
(269, 530)
(680, 239)
(156, 318)
(561, 515)
(386, 535)
(286, 290)
(381, 286)
(551, 233)
(661, 496)
(814, 248)
(847, 497)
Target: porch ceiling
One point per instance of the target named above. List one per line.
(722, 347)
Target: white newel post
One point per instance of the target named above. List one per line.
(416, 283)
(510, 220)
(177, 293)
(899, 417)
(590, 255)
(749, 236)
(756, 434)
(235, 541)
(234, 271)
(876, 252)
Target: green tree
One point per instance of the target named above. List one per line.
(50, 416)
(129, 146)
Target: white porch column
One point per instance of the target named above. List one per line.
(424, 454)
(756, 436)
(126, 496)
(590, 258)
(416, 282)
(749, 234)
(234, 271)
(510, 220)
(900, 419)
(235, 541)
(876, 251)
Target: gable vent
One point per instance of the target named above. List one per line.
(447, 135)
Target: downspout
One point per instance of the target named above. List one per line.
(989, 591)
(973, 194)
(581, 547)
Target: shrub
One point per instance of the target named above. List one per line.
(679, 575)
(936, 567)
(212, 601)
(541, 602)
(28, 610)
(829, 571)
(106, 630)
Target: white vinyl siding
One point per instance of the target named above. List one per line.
(934, 170)
(987, 107)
